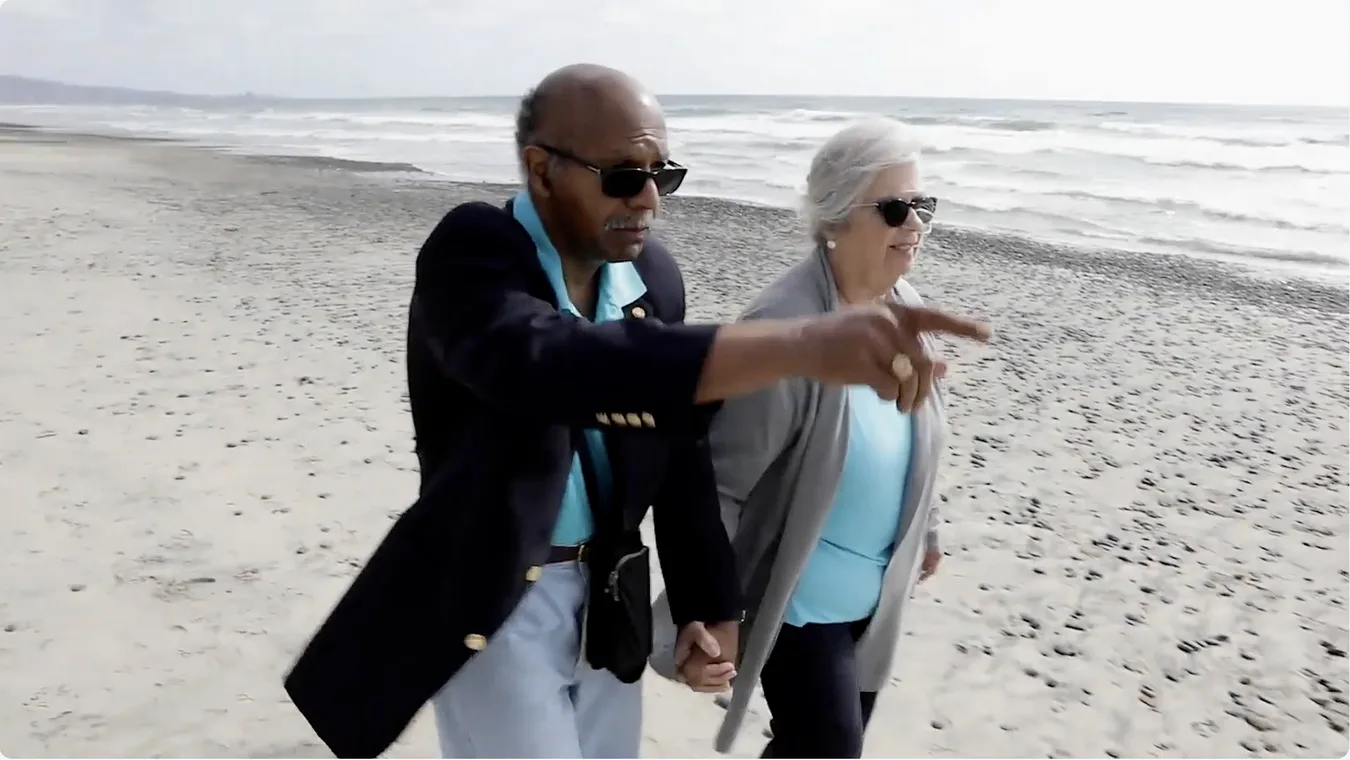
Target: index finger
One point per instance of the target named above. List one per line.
(708, 643)
(924, 319)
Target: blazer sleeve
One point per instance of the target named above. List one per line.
(697, 561)
(485, 330)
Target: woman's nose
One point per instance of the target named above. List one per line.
(907, 236)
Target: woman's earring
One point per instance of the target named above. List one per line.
(830, 244)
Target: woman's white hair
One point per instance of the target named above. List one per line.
(847, 164)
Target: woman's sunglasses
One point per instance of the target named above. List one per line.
(896, 211)
(627, 181)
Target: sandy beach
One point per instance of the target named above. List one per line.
(204, 432)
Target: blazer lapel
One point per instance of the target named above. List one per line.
(630, 454)
(639, 309)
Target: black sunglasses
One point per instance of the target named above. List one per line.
(626, 181)
(895, 211)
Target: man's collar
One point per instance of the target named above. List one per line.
(523, 209)
(620, 281)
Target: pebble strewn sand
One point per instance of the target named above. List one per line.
(203, 432)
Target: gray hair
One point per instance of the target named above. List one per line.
(847, 164)
(528, 117)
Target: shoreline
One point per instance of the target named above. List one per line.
(1168, 272)
(1324, 283)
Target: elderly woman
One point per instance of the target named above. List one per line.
(826, 490)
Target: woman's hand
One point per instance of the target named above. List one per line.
(705, 655)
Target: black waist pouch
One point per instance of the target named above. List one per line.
(619, 617)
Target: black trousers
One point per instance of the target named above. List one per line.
(811, 684)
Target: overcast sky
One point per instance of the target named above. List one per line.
(1236, 51)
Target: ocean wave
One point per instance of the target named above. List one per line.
(1015, 125)
(985, 122)
(677, 109)
(1250, 162)
(1026, 213)
(803, 129)
(1016, 215)
(1343, 141)
(1292, 217)
(1271, 166)
(1264, 137)
(806, 114)
(740, 143)
(1202, 245)
(1048, 165)
(745, 186)
(1017, 206)
(782, 114)
(1205, 210)
(336, 134)
(1214, 148)
(468, 119)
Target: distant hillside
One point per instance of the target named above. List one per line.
(27, 91)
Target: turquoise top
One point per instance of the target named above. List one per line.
(620, 285)
(842, 579)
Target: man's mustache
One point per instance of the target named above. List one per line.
(635, 222)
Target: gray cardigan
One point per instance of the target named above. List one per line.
(778, 454)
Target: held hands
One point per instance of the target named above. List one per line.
(706, 655)
(882, 345)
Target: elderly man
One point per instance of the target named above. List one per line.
(556, 394)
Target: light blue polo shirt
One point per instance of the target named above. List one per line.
(842, 579)
(620, 285)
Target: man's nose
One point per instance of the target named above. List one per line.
(648, 199)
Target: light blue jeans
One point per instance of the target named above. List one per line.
(530, 692)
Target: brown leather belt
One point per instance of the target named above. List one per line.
(558, 554)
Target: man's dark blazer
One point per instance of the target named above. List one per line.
(499, 379)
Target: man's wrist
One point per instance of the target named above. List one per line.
(800, 347)
(750, 355)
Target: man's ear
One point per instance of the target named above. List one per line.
(537, 166)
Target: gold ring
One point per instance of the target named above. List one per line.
(902, 367)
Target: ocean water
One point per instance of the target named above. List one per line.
(1268, 186)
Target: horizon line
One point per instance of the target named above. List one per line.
(355, 98)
